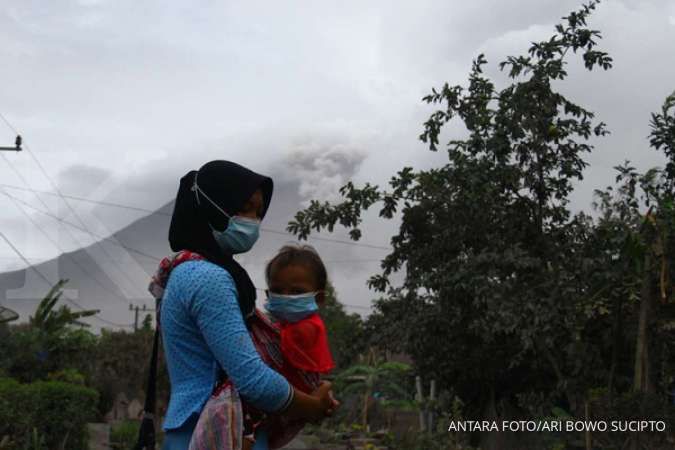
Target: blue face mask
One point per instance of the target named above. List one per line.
(291, 308)
(241, 232)
(239, 236)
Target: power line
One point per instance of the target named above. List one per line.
(131, 249)
(150, 256)
(63, 197)
(154, 258)
(88, 200)
(65, 201)
(162, 213)
(59, 219)
(14, 258)
(49, 283)
(15, 199)
(82, 267)
(25, 182)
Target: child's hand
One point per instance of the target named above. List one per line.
(336, 403)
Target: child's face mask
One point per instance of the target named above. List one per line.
(291, 308)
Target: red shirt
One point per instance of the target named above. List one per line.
(304, 345)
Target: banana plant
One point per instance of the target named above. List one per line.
(52, 322)
(53, 325)
(376, 374)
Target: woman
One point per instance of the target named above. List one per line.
(206, 303)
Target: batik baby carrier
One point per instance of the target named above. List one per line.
(225, 419)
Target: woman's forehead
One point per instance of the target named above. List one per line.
(257, 195)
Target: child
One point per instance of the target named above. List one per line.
(297, 280)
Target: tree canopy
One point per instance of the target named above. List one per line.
(508, 295)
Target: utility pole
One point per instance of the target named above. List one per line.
(136, 309)
(16, 148)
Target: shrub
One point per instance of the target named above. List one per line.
(12, 423)
(70, 376)
(58, 411)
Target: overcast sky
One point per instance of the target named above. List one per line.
(117, 99)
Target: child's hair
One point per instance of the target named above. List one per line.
(304, 255)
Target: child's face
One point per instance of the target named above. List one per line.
(292, 280)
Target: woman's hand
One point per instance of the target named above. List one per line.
(315, 407)
(326, 399)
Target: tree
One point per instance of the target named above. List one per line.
(659, 249)
(494, 261)
(637, 222)
(618, 242)
(647, 251)
(345, 331)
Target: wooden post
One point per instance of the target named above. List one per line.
(430, 414)
(642, 381)
(420, 399)
(589, 442)
(642, 378)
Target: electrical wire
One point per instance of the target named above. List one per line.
(49, 283)
(134, 250)
(154, 258)
(65, 201)
(85, 229)
(162, 213)
(142, 253)
(87, 200)
(67, 255)
(108, 239)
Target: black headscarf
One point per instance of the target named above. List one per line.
(229, 185)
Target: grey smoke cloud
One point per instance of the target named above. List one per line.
(323, 169)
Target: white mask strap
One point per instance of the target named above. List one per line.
(197, 190)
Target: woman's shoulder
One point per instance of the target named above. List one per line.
(200, 268)
(200, 272)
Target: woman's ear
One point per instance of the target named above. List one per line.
(321, 297)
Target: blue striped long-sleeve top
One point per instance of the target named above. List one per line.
(201, 326)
